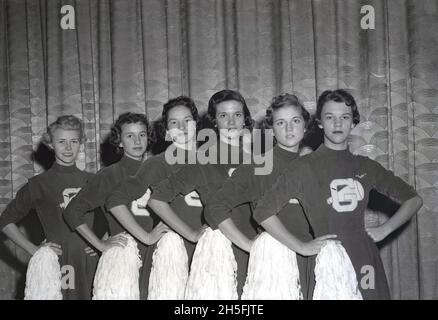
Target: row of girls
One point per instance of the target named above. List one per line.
(196, 231)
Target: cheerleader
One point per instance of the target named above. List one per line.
(288, 119)
(178, 125)
(229, 115)
(49, 194)
(333, 186)
(129, 135)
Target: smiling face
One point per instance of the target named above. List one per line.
(66, 144)
(230, 119)
(337, 123)
(289, 126)
(134, 140)
(180, 125)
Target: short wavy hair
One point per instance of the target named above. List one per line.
(172, 103)
(281, 101)
(227, 95)
(67, 122)
(127, 118)
(339, 95)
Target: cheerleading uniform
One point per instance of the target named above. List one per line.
(333, 188)
(245, 186)
(49, 194)
(207, 180)
(93, 196)
(151, 172)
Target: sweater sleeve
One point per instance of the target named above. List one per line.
(18, 208)
(234, 192)
(91, 196)
(385, 182)
(288, 185)
(182, 181)
(134, 187)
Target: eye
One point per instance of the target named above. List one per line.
(279, 123)
(239, 115)
(347, 117)
(221, 115)
(129, 135)
(171, 123)
(75, 141)
(61, 141)
(297, 120)
(143, 134)
(328, 117)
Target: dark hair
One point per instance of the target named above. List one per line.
(175, 102)
(227, 95)
(67, 122)
(281, 101)
(339, 95)
(127, 118)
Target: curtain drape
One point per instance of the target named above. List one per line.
(133, 55)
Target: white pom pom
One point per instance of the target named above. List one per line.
(43, 277)
(334, 275)
(273, 272)
(170, 269)
(213, 271)
(118, 273)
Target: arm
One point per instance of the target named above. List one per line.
(91, 196)
(234, 192)
(408, 209)
(13, 233)
(276, 229)
(185, 180)
(165, 211)
(385, 182)
(100, 244)
(16, 210)
(127, 220)
(229, 229)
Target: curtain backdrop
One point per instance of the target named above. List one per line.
(132, 55)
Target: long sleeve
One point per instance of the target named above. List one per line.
(18, 208)
(288, 185)
(91, 196)
(185, 180)
(134, 187)
(235, 191)
(388, 184)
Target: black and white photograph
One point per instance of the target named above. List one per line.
(225, 152)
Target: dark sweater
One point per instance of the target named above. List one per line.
(49, 193)
(333, 188)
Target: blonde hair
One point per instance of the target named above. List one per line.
(67, 122)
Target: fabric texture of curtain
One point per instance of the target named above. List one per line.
(134, 55)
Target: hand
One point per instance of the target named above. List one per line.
(90, 251)
(157, 233)
(54, 246)
(313, 247)
(198, 233)
(119, 240)
(377, 233)
(305, 150)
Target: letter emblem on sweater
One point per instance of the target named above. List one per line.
(192, 199)
(346, 193)
(138, 207)
(68, 194)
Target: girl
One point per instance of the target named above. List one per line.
(333, 186)
(178, 124)
(229, 115)
(49, 194)
(130, 135)
(288, 119)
